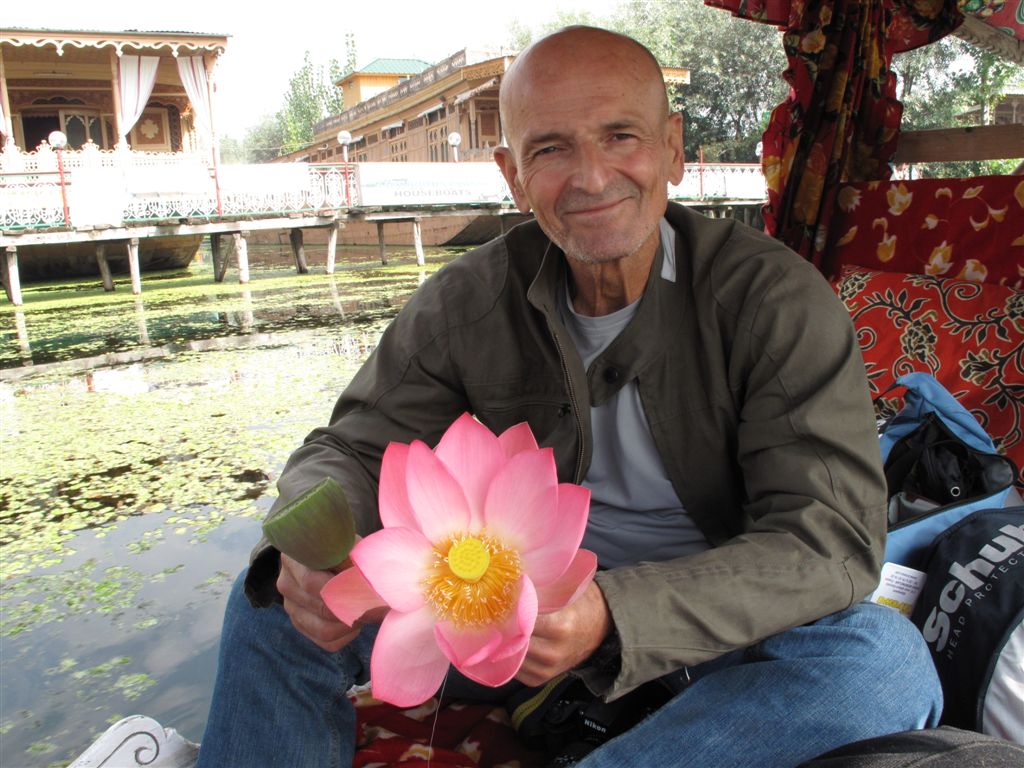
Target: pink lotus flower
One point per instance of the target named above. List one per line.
(478, 538)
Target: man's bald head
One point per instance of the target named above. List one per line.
(584, 52)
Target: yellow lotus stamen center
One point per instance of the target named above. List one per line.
(473, 580)
(468, 558)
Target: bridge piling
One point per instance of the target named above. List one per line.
(417, 239)
(380, 243)
(220, 263)
(299, 251)
(332, 247)
(104, 265)
(242, 254)
(133, 265)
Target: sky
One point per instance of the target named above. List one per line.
(268, 40)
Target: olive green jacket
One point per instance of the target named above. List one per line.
(754, 390)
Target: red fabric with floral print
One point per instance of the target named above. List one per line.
(969, 229)
(969, 336)
(459, 736)
(914, 22)
(840, 121)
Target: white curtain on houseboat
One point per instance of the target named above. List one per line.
(3, 120)
(192, 70)
(136, 75)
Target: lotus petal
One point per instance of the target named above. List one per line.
(517, 438)
(466, 646)
(437, 498)
(407, 666)
(350, 596)
(496, 672)
(473, 456)
(570, 585)
(523, 500)
(393, 561)
(395, 509)
(548, 561)
(505, 660)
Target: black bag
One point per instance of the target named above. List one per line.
(938, 748)
(970, 612)
(940, 465)
(566, 722)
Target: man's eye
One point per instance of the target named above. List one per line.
(544, 151)
(622, 136)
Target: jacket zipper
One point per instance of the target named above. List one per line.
(573, 403)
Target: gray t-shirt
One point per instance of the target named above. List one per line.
(635, 513)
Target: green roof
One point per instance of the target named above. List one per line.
(395, 67)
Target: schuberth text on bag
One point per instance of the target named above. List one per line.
(970, 613)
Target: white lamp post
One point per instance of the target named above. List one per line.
(454, 139)
(59, 141)
(344, 139)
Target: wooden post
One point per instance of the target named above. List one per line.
(299, 251)
(220, 263)
(133, 265)
(332, 247)
(380, 243)
(501, 224)
(104, 265)
(12, 282)
(417, 239)
(242, 254)
(5, 104)
(115, 94)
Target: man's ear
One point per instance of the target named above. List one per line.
(507, 163)
(676, 158)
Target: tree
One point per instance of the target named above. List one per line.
(311, 96)
(735, 71)
(951, 82)
(519, 35)
(351, 58)
(265, 140)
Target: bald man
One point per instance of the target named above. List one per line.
(699, 378)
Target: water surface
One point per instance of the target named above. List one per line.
(139, 442)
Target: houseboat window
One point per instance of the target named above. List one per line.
(79, 126)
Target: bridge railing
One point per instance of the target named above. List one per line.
(93, 188)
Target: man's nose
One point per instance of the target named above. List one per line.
(592, 170)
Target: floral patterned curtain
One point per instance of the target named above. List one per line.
(840, 121)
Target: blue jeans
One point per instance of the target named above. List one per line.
(280, 701)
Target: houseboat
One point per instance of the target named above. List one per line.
(73, 102)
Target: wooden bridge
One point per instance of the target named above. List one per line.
(120, 204)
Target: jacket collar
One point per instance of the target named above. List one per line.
(640, 344)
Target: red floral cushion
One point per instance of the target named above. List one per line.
(969, 336)
(459, 735)
(968, 229)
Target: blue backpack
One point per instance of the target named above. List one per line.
(940, 465)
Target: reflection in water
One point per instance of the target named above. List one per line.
(81, 321)
(21, 330)
(140, 321)
(332, 283)
(246, 317)
(138, 456)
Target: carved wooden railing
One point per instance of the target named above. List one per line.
(92, 188)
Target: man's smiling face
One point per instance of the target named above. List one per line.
(592, 147)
